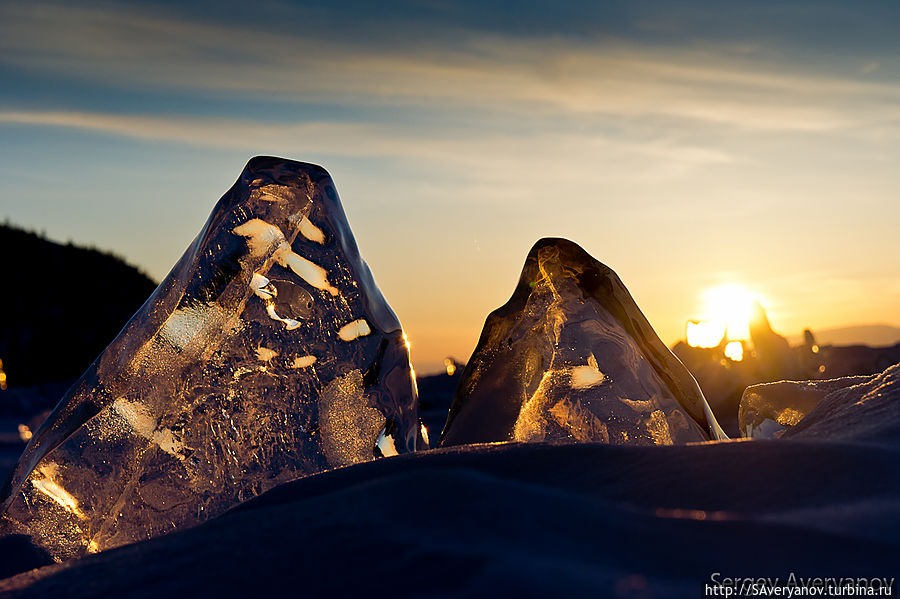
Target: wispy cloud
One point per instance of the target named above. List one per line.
(208, 132)
(870, 68)
(483, 158)
(126, 47)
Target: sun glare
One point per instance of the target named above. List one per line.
(732, 305)
(734, 351)
(705, 333)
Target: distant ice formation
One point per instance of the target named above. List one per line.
(267, 354)
(856, 408)
(571, 358)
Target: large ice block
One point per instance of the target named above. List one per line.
(267, 354)
(571, 358)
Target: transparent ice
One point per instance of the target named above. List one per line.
(267, 354)
(853, 408)
(571, 358)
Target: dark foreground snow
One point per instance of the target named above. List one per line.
(527, 520)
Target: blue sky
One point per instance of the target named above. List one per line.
(684, 144)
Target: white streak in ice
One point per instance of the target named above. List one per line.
(310, 231)
(357, 328)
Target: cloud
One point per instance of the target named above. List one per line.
(460, 70)
(206, 132)
(497, 160)
(870, 68)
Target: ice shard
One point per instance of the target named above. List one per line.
(767, 410)
(267, 354)
(571, 358)
(854, 408)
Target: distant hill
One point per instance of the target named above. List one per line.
(875, 335)
(60, 305)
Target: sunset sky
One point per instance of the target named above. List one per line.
(684, 144)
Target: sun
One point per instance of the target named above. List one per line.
(732, 306)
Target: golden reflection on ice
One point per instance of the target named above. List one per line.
(303, 361)
(767, 409)
(145, 424)
(53, 490)
(407, 343)
(263, 237)
(264, 354)
(310, 231)
(658, 427)
(349, 427)
(587, 376)
(289, 323)
(355, 329)
(386, 444)
(307, 270)
(261, 287)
